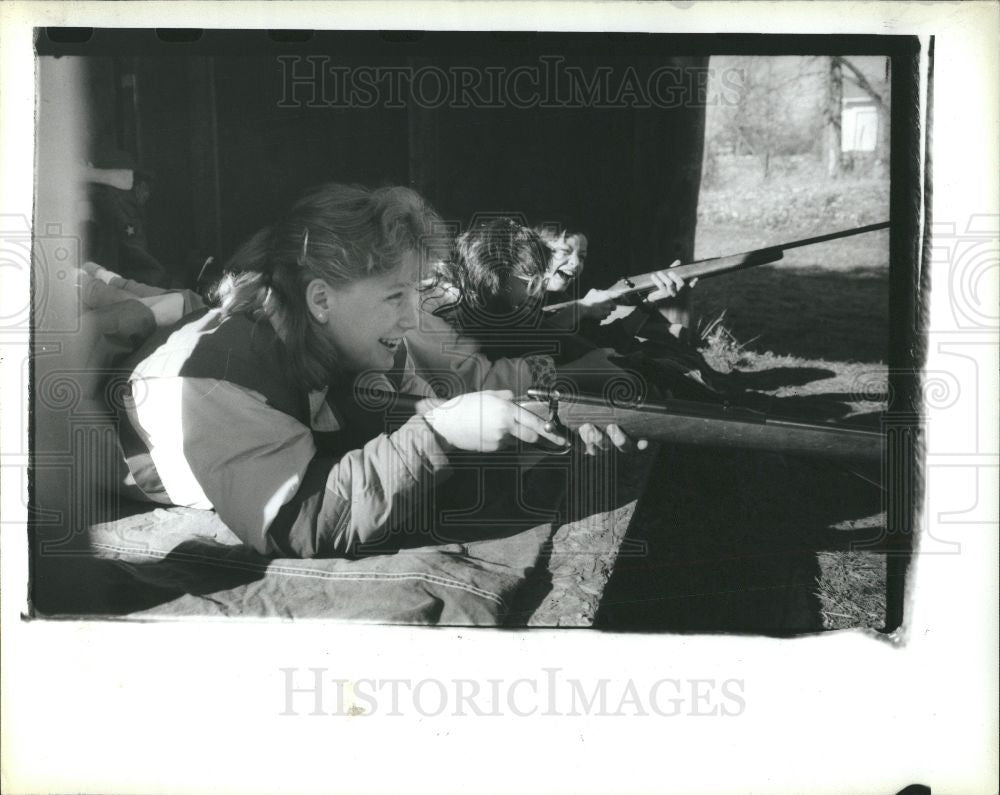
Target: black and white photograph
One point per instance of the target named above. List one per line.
(590, 338)
(461, 328)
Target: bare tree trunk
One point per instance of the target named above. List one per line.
(832, 118)
(709, 172)
(881, 106)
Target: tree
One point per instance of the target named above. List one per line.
(840, 69)
(770, 114)
(879, 97)
(790, 105)
(832, 112)
(754, 125)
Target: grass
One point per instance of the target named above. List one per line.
(808, 314)
(851, 589)
(795, 202)
(828, 301)
(813, 327)
(849, 585)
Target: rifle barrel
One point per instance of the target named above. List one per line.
(716, 266)
(811, 241)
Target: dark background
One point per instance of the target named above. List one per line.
(228, 158)
(201, 109)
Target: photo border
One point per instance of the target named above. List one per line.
(822, 713)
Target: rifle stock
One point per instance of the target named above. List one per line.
(703, 268)
(716, 266)
(683, 423)
(704, 425)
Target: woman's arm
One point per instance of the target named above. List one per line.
(453, 364)
(259, 468)
(362, 497)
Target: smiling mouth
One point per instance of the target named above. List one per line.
(392, 343)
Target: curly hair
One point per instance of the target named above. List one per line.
(486, 258)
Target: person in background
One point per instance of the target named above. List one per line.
(567, 260)
(451, 359)
(497, 281)
(119, 192)
(653, 331)
(481, 324)
(484, 304)
(101, 288)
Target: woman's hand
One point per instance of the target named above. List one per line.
(483, 422)
(487, 421)
(596, 304)
(597, 441)
(668, 285)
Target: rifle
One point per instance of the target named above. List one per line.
(680, 422)
(716, 266)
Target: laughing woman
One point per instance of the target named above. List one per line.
(247, 408)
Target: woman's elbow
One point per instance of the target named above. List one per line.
(348, 536)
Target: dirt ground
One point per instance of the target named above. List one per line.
(752, 542)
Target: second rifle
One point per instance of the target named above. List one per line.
(716, 266)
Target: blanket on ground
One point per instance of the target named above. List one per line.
(191, 553)
(464, 575)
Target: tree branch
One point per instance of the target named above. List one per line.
(859, 79)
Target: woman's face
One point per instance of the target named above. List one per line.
(369, 318)
(569, 254)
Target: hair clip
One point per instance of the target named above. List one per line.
(305, 247)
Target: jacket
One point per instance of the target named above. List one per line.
(213, 420)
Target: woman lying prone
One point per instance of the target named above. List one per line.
(245, 408)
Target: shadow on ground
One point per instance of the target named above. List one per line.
(811, 315)
(730, 543)
(777, 377)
